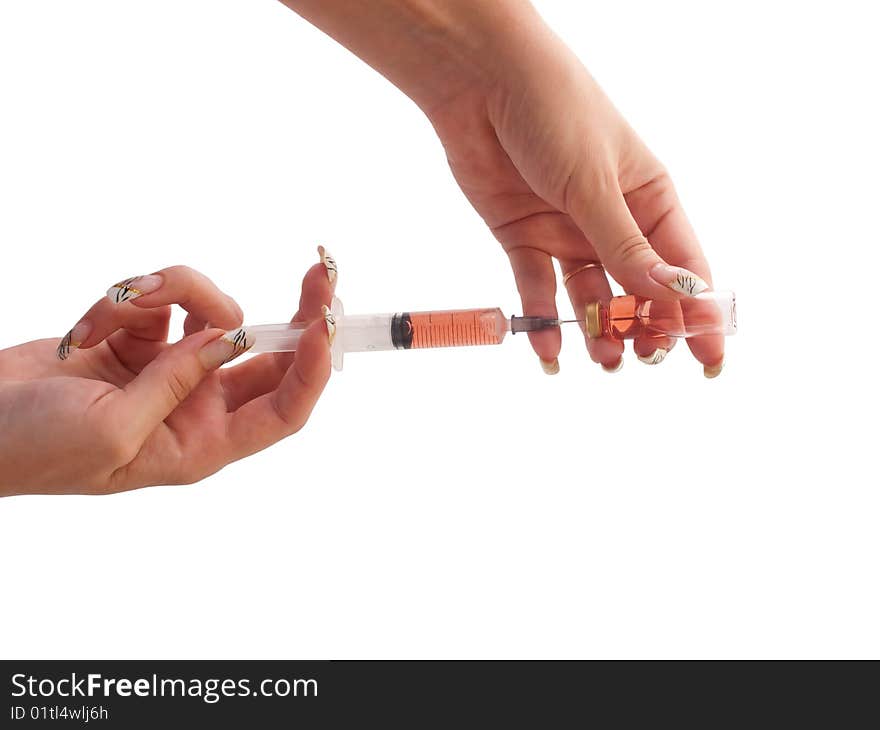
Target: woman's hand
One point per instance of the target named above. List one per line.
(540, 152)
(114, 406)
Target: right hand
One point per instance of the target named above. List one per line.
(540, 152)
(557, 173)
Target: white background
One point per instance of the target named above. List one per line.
(456, 503)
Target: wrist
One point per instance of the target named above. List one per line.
(432, 50)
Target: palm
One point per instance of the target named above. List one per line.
(68, 390)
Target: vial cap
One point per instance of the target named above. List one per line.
(594, 324)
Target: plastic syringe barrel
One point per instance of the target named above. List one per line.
(355, 333)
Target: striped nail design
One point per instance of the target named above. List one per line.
(134, 287)
(678, 279)
(66, 346)
(329, 263)
(240, 340)
(655, 358)
(330, 321)
(73, 339)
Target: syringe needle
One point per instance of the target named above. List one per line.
(535, 324)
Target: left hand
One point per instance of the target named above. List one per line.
(114, 406)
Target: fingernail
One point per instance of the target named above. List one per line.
(678, 279)
(134, 287)
(655, 358)
(713, 371)
(226, 348)
(329, 263)
(330, 321)
(73, 339)
(551, 367)
(613, 368)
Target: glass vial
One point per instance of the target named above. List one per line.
(624, 318)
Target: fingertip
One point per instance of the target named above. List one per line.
(550, 367)
(230, 317)
(546, 344)
(713, 371)
(238, 312)
(315, 292)
(708, 350)
(605, 351)
(652, 350)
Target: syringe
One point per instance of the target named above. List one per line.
(401, 330)
(621, 318)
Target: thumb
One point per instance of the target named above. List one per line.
(626, 254)
(169, 379)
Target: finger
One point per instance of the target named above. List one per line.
(599, 209)
(263, 373)
(652, 349)
(168, 380)
(184, 286)
(329, 262)
(193, 324)
(536, 283)
(658, 210)
(598, 206)
(148, 326)
(261, 422)
(140, 306)
(315, 292)
(585, 285)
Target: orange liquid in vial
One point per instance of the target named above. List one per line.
(457, 327)
(627, 317)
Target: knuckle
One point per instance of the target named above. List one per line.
(183, 277)
(181, 271)
(589, 185)
(634, 249)
(178, 386)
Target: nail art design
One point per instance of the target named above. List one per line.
(132, 288)
(678, 279)
(240, 341)
(329, 263)
(226, 348)
(331, 322)
(66, 346)
(78, 334)
(551, 367)
(615, 368)
(655, 358)
(687, 283)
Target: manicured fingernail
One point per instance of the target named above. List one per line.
(613, 368)
(134, 287)
(226, 348)
(655, 358)
(73, 339)
(331, 322)
(551, 367)
(678, 279)
(329, 263)
(713, 371)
